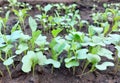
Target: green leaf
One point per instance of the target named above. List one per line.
(106, 53)
(15, 35)
(118, 50)
(41, 58)
(97, 40)
(69, 59)
(91, 31)
(35, 35)
(93, 58)
(12, 2)
(28, 60)
(7, 16)
(27, 66)
(9, 61)
(41, 40)
(114, 38)
(31, 59)
(104, 65)
(33, 24)
(24, 37)
(55, 63)
(7, 48)
(106, 27)
(82, 53)
(98, 29)
(56, 32)
(21, 48)
(115, 26)
(72, 63)
(59, 47)
(47, 8)
(95, 49)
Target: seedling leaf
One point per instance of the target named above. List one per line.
(104, 65)
(33, 24)
(55, 63)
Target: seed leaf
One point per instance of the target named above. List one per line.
(93, 58)
(21, 48)
(15, 35)
(41, 40)
(72, 63)
(55, 32)
(106, 53)
(31, 59)
(118, 49)
(104, 65)
(33, 24)
(9, 61)
(67, 60)
(82, 53)
(47, 8)
(55, 63)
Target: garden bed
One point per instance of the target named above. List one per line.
(77, 25)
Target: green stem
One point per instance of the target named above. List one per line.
(9, 72)
(86, 64)
(1, 73)
(33, 70)
(52, 69)
(74, 70)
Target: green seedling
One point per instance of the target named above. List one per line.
(115, 40)
(12, 3)
(47, 8)
(74, 50)
(37, 38)
(38, 7)
(6, 48)
(109, 20)
(3, 22)
(21, 14)
(43, 20)
(32, 59)
(57, 46)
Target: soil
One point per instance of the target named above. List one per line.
(62, 75)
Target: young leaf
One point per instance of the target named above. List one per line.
(15, 35)
(69, 59)
(106, 53)
(21, 48)
(104, 65)
(47, 8)
(41, 58)
(72, 63)
(41, 40)
(33, 24)
(9, 61)
(93, 58)
(118, 50)
(7, 48)
(55, 63)
(82, 53)
(32, 59)
(59, 47)
(56, 32)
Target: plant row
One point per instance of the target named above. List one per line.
(80, 47)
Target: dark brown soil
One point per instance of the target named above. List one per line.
(62, 75)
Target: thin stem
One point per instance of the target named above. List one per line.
(52, 69)
(74, 70)
(9, 72)
(33, 71)
(86, 64)
(1, 73)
